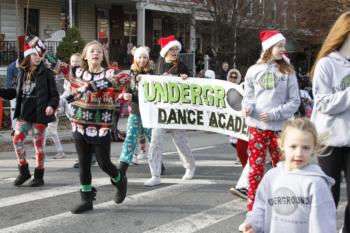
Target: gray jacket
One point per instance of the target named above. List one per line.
(298, 201)
(266, 89)
(331, 111)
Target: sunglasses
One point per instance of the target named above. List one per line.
(234, 76)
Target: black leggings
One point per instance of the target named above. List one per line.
(338, 161)
(103, 158)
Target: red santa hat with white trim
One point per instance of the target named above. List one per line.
(28, 50)
(269, 38)
(166, 43)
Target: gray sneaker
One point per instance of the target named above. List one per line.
(60, 155)
(239, 192)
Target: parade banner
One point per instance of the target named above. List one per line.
(195, 103)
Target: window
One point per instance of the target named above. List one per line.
(130, 25)
(250, 8)
(31, 23)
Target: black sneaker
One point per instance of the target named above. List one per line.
(242, 192)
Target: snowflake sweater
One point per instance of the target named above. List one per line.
(92, 113)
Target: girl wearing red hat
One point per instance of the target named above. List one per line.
(36, 101)
(271, 96)
(169, 64)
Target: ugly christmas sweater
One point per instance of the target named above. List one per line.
(92, 113)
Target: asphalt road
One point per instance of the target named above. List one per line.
(203, 204)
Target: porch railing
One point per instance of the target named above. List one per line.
(8, 50)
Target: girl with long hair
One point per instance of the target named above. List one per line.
(140, 66)
(95, 90)
(36, 101)
(331, 112)
(271, 96)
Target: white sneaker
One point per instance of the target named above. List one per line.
(189, 173)
(134, 160)
(60, 155)
(153, 181)
(142, 155)
(241, 227)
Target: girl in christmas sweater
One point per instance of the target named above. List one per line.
(95, 92)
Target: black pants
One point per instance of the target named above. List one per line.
(85, 150)
(338, 161)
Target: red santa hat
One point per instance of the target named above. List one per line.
(28, 50)
(269, 38)
(166, 43)
(140, 51)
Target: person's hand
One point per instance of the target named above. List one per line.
(127, 96)
(248, 228)
(49, 111)
(138, 78)
(245, 112)
(264, 116)
(184, 76)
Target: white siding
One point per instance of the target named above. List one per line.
(87, 20)
(8, 19)
(49, 16)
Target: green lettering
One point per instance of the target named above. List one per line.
(174, 92)
(207, 95)
(219, 96)
(161, 93)
(146, 91)
(196, 92)
(184, 93)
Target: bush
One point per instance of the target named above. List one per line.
(71, 43)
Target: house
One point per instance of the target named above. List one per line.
(119, 24)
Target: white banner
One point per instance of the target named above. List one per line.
(199, 104)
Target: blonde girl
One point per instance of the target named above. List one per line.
(96, 89)
(295, 196)
(140, 66)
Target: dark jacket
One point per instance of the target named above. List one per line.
(46, 94)
(173, 69)
(133, 89)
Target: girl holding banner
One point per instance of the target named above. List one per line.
(140, 66)
(271, 96)
(169, 64)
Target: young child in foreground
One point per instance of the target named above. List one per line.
(295, 196)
